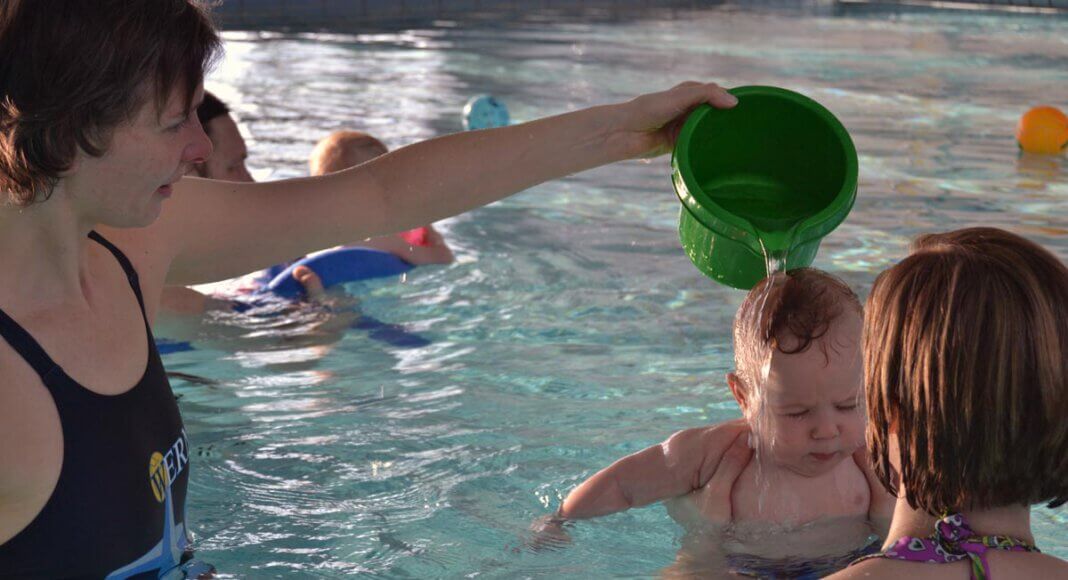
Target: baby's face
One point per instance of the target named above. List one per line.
(814, 413)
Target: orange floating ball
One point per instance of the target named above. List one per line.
(1043, 130)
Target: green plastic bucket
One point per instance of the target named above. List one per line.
(771, 176)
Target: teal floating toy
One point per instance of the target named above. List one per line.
(485, 112)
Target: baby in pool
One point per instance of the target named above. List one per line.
(798, 380)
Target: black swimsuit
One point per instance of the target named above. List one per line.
(118, 509)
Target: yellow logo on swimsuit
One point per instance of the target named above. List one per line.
(164, 468)
(158, 476)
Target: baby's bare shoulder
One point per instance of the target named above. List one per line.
(708, 438)
(721, 435)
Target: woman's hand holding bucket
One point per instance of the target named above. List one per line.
(648, 125)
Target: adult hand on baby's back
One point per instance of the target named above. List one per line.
(650, 123)
(716, 496)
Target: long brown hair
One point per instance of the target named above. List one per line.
(966, 362)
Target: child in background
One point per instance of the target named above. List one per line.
(344, 149)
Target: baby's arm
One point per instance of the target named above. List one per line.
(676, 467)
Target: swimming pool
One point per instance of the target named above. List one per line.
(573, 329)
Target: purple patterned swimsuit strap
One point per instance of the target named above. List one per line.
(952, 541)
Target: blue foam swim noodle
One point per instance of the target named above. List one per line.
(338, 266)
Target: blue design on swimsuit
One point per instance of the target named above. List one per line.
(164, 556)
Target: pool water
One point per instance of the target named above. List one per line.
(573, 329)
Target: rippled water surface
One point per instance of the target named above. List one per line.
(572, 329)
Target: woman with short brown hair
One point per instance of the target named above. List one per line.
(966, 367)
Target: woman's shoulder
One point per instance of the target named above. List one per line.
(1026, 565)
(1003, 565)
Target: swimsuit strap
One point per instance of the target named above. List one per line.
(952, 541)
(30, 350)
(127, 267)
